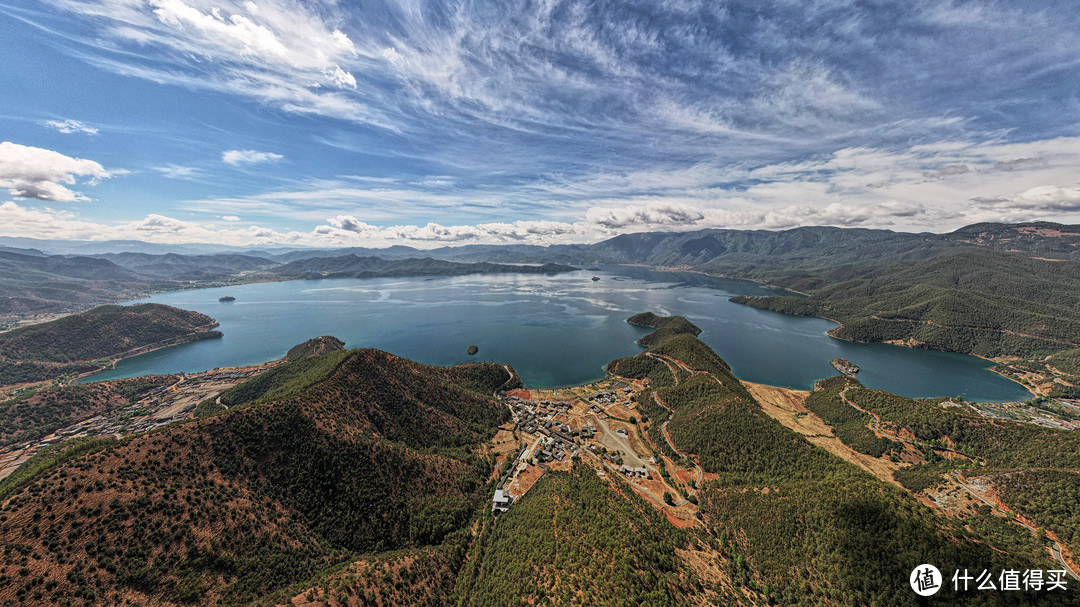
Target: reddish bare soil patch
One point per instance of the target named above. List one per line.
(678, 522)
(525, 480)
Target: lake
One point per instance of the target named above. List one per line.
(554, 330)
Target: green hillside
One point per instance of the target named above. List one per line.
(358, 477)
(810, 526)
(377, 455)
(79, 342)
(980, 302)
(577, 539)
(1034, 468)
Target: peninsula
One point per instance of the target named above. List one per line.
(93, 340)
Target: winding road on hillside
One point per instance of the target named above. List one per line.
(663, 430)
(875, 425)
(1055, 547)
(510, 371)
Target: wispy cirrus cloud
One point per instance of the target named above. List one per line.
(173, 171)
(249, 157)
(277, 52)
(569, 120)
(70, 126)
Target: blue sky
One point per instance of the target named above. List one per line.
(376, 123)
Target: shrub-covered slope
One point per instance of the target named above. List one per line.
(981, 302)
(378, 454)
(79, 342)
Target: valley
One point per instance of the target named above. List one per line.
(175, 399)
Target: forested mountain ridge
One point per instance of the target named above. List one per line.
(31, 284)
(1027, 468)
(758, 253)
(982, 302)
(84, 342)
(801, 523)
(378, 454)
(173, 266)
(314, 347)
(351, 266)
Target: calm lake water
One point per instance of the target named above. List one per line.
(555, 330)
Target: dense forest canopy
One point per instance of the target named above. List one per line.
(83, 342)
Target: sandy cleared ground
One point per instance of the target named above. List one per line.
(617, 442)
(621, 411)
(786, 406)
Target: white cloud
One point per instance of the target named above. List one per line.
(284, 53)
(926, 187)
(71, 126)
(173, 171)
(652, 214)
(534, 232)
(230, 218)
(240, 157)
(347, 229)
(17, 220)
(1040, 199)
(32, 172)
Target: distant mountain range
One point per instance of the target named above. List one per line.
(656, 248)
(351, 266)
(854, 275)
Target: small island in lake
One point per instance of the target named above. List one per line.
(595, 278)
(227, 298)
(473, 350)
(845, 366)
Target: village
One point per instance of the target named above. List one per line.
(598, 423)
(159, 407)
